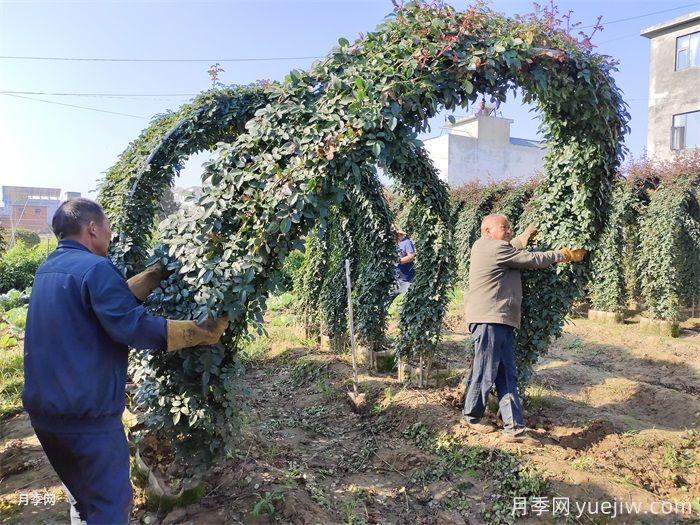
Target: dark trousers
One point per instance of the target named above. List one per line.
(95, 469)
(494, 363)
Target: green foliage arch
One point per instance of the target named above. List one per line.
(290, 153)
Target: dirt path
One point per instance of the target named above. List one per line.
(612, 419)
(616, 412)
(30, 491)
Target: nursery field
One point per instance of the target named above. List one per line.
(262, 431)
(616, 413)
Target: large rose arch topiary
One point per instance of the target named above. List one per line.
(290, 153)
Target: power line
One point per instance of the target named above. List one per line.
(205, 60)
(98, 95)
(695, 4)
(270, 59)
(622, 37)
(120, 96)
(74, 106)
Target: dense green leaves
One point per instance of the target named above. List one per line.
(607, 287)
(647, 249)
(669, 251)
(473, 204)
(302, 155)
(19, 264)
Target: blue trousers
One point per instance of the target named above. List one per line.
(95, 469)
(494, 363)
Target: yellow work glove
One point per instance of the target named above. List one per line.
(521, 241)
(575, 255)
(528, 234)
(148, 280)
(184, 334)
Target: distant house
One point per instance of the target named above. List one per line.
(186, 196)
(479, 147)
(31, 208)
(674, 86)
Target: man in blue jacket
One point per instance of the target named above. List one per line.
(83, 315)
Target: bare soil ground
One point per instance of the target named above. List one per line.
(616, 413)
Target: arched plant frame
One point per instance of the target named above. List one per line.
(133, 187)
(299, 154)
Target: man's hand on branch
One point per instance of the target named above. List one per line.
(142, 284)
(529, 232)
(575, 255)
(184, 334)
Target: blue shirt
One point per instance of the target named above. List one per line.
(82, 318)
(406, 271)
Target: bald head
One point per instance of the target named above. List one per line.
(496, 226)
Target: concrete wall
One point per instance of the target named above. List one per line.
(670, 92)
(479, 148)
(438, 149)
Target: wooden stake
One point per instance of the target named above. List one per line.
(351, 325)
(356, 398)
(320, 334)
(420, 372)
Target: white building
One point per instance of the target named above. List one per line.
(186, 196)
(479, 147)
(674, 86)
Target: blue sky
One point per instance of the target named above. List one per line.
(47, 144)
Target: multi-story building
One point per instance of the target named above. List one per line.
(479, 148)
(30, 208)
(674, 86)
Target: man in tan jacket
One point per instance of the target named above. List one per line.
(493, 314)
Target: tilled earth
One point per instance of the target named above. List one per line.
(616, 414)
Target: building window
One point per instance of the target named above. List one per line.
(686, 131)
(688, 51)
(37, 211)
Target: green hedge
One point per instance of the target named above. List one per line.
(19, 264)
(669, 235)
(28, 237)
(4, 238)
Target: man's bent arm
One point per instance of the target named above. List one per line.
(519, 242)
(510, 257)
(408, 257)
(119, 313)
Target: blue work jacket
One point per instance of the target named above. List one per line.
(82, 318)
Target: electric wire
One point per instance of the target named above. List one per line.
(76, 106)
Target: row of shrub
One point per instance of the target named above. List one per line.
(28, 237)
(648, 252)
(19, 263)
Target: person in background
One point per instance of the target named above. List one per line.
(83, 316)
(493, 315)
(405, 269)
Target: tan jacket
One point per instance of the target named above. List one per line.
(495, 287)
